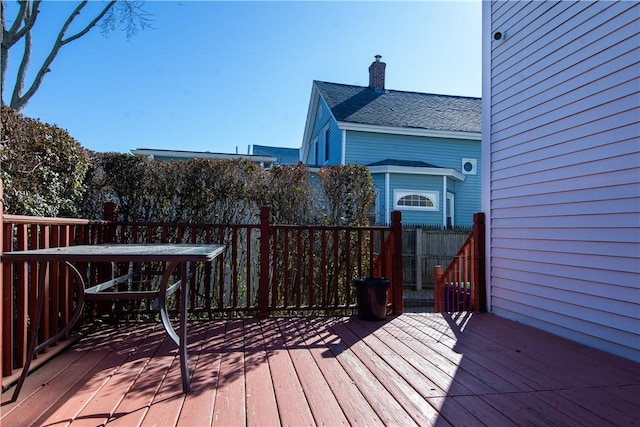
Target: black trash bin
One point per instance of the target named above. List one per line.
(371, 294)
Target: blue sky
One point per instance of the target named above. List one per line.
(221, 76)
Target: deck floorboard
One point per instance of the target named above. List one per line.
(415, 369)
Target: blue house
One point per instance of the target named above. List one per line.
(423, 150)
(283, 155)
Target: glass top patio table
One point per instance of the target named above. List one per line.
(172, 254)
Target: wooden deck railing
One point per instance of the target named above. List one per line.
(462, 286)
(296, 269)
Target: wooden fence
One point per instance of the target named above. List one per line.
(424, 248)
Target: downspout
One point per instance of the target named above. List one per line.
(387, 190)
(444, 201)
(344, 148)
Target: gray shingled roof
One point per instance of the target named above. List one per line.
(409, 163)
(362, 105)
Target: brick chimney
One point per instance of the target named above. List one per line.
(376, 74)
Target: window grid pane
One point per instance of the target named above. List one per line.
(415, 200)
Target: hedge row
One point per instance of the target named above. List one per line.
(47, 173)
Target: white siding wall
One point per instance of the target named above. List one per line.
(564, 176)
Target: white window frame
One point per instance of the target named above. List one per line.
(451, 209)
(434, 196)
(315, 151)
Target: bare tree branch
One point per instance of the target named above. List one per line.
(132, 16)
(86, 29)
(22, 70)
(27, 14)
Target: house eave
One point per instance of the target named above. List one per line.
(154, 153)
(451, 173)
(475, 136)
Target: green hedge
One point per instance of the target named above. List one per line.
(42, 167)
(47, 173)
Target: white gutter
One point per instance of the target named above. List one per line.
(444, 172)
(387, 190)
(444, 201)
(343, 159)
(410, 131)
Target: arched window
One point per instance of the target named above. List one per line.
(423, 200)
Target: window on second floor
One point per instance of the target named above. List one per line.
(316, 159)
(326, 144)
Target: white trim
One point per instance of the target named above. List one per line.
(477, 136)
(485, 147)
(452, 197)
(308, 127)
(445, 172)
(323, 132)
(444, 201)
(344, 148)
(315, 100)
(434, 196)
(387, 191)
(181, 154)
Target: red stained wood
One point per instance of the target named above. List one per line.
(424, 369)
(130, 361)
(385, 383)
(262, 408)
(319, 342)
(230, 407)
(198, 404)
(288, 391)
(323, 404)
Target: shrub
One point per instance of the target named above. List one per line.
(42, 167)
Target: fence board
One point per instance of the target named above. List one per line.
(423, 248)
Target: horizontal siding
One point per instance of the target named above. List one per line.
(418, 183)
(335, 142)
(565, 170)
(365, 147)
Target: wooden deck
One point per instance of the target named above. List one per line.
(415, 369)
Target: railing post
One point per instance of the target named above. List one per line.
(263, 285)
(438, 294)
(110, 213)
(479, 257)
(2, 343)
(396, 273)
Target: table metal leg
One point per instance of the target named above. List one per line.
(33, 332)
(184, 303)
(33, 347)
(179, 340)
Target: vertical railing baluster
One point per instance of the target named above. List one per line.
(248, 271)
(311, 284)
(323, 266)
(285, 266)
(234, 266)
(299, 252)
(8, 305)
(347, 274)
(336, 266)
